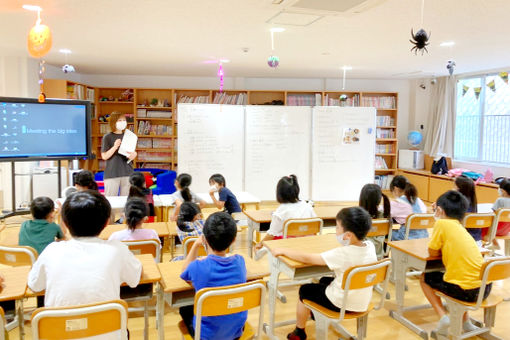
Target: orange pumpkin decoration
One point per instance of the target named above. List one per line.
(39, 40)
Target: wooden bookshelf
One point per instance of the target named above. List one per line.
(167, 105)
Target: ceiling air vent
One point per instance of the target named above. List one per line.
(329, 7)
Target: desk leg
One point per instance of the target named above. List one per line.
(273, 288)
(507, 247)
(252, 227)
(400, 268)
(21, 319)
(160, 312)
(172, 246)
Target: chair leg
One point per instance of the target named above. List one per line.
(321, 326)
(362, 324)
(146, 319)
(456, 314)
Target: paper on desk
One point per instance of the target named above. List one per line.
(128, 144)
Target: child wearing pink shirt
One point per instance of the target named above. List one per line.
(136, 212)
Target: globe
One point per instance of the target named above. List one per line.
(414, 138)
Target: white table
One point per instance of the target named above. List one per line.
(243, 197)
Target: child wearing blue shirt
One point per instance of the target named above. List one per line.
(216, 270)
(227, 200)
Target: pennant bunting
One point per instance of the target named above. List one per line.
(492, 85)
(465, 88)
(477, 91)
(504, 76)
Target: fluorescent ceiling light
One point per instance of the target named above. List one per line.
(32, 8)
(224, 61)
(65, 51)
(346, 68)
(277, 29)
(447, 43)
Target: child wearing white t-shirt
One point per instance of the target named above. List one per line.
(352, 226)
(84, 269)
(287, 194)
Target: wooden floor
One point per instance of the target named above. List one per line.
(380, 325)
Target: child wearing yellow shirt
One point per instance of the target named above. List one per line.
(461, 257)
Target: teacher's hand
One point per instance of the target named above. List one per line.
(116, 145)
(132, 155)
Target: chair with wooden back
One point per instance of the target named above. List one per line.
(480, 221)
(151, 246)
(356, 277)
(502, 215)
(418, 221)
(15, 256)
(74, 322)
(494, 269)
(228, 300)
(297, 227)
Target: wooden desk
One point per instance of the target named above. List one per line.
(10, 236)
(160, 227)
(256, 217)
(177, 292)
(406, 255)
(14, 288)
(293, 269)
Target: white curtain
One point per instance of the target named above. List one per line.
(441, 122)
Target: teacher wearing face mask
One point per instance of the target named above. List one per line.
(118, 170)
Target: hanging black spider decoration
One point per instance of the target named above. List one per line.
(420, 41)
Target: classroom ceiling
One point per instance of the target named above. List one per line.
(187, 38)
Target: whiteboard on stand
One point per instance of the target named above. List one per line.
(277, 144)
(343, 152)
(211, 140)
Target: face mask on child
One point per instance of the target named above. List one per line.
(340, 239)
(500, 192)
(214, 187)
(121, 125)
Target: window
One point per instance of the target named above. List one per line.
(482, 125)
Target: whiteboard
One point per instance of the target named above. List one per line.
(277, 144)
(211, 140)
(341, 166)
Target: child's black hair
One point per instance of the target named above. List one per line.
(187, 212)
(41, 207)
(86, 213)
(184, 181)
(370, 198)
(85, 179)
(218, 178)
(137, 188)
(356, 220)
(454, 204)
(467, 188)
(505, 185)
(287, 189)
(220, 231)
(136, 210)
(403, 184)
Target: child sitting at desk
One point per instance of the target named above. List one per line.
(352, 226)
(138, 189)
(42, 230)
(84, 269)
(466, 187)
(84, 180)
(215, 270)
(503, 202)
(287, 194)
(136, 212)
(189, 222)
(184, 194)
(461, 257)
(406, 203)
(227, 200)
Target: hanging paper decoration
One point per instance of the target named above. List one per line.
(465, 88)
(39, 39)
(477, 91)
(220, 74)
(273, 61)
(42, 96)
(492, 85)
(504, 76)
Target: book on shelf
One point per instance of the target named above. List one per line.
(146, 156)
(379, 102)
(146, 128)
(196, 99)
(385, 121)
(304, 99)
(380, 163)
(385, 148)
(159, 114)
(384, 133)
(334, 101)
(234, 99)
(141, 113)
(164, 166)
(383, 181)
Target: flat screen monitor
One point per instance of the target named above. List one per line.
(55, 129)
